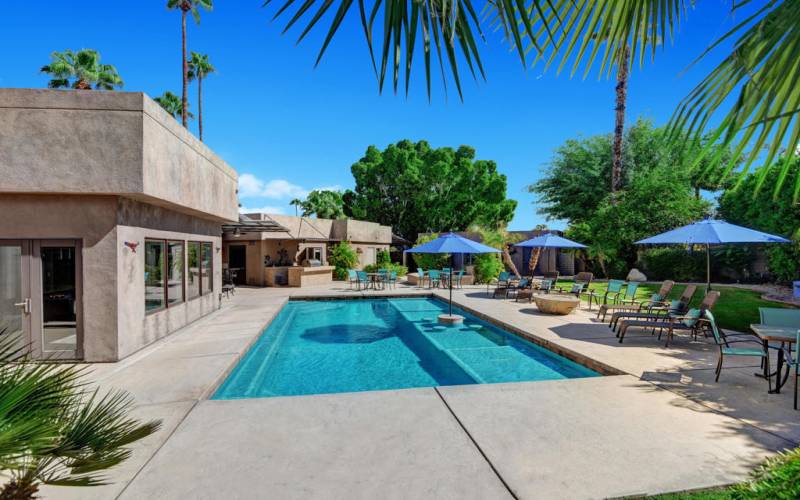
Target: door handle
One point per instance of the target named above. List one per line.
(25, 305)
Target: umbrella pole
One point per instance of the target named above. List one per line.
(708, 267)
(450, 281)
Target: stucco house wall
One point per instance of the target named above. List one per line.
(106, 168)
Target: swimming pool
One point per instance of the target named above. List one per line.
(317, 347)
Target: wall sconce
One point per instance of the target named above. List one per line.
(236, 233)
(132, 245)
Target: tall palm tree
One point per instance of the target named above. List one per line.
(80, 70)
(619, 117)
(750, 96)
(297, 203)
(172, 104)
(185, 7)
(199, 68)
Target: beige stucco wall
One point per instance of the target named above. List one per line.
(78, 142)
(91, 219)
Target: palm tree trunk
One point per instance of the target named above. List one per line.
(184, 101)
(508, 262)
(697, 192)
(22, 488)
(200, 105)
(619, 125)
(535, 254)
(83, 85)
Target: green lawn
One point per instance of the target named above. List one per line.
(736, 310)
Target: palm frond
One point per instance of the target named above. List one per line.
(453, 26)
(754, 94)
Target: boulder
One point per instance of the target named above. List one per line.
(636, 275)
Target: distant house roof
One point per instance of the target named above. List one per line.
(323, 230)
(248, 225)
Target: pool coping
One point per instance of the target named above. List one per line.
(603, 369)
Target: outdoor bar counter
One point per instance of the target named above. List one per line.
(298, 276)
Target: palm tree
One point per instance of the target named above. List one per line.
(199, 68)
(172, 104)
(619, 118)
(297, 202)
(53, 432)
(80, 70)
(500, 239)
(186, 6)
(749, 98)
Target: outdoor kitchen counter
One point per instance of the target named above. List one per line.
(298, 276)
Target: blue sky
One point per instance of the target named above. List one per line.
(289, 128)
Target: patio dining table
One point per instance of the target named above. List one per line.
(786, 336)
(376, 280)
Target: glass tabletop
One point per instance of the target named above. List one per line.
(779, 333)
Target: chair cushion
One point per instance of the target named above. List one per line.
(691, 317)
(739, 351)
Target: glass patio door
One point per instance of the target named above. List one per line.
(56, 297)
(15, 292)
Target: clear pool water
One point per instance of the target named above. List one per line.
(333, 346)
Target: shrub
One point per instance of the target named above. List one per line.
(779, 477)
(343, 257)
(487, 266)
(383, 257)
(674, 264)
(391, 266)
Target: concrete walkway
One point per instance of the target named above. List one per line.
(663, 425)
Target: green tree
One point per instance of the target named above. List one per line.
(80, 70)
(325, 204)
(187, 6)
(430, 260)
(172, 104)
(200, 68)
(752, 88)
(752, 204)
(418, 189)
(343, 258)
(55, 432)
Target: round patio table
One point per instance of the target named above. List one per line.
(375, 279)
(556, 304)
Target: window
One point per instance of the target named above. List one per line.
(154, 290)
(175, 272)
(314, 253)
(193, 278)
(206, 268)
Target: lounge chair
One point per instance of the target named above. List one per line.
(501, 283)
(657, 311)
(687, 321)
(724, 342)
(657, 299)
(523, 285)
(613, 290)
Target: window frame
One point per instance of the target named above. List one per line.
(199, 272)
(163, 244)
(203, 289)
(183, 272)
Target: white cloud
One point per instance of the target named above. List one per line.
(251, 186)
(261, 210)
(335, 187)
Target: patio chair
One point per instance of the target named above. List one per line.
(687, 321)
(724, 342)
(613, 290)
(788, 318)
(655, 300)
(544, 286)
(627, 300)
(458, 277)
(420, 277)
(500, 283)
(434, 278)
(658, 310)
(551, 275)
(391, 279)
(352, 279)
(363, 279)
(576, 289)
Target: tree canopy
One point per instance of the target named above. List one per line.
(416, 189)
(325, 204)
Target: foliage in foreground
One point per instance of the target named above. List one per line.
(54, 431)
(342, 257)
(418, 189)
(778, 478)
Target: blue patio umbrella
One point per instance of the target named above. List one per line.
(549, 241)
(451, 243)
(710, 232)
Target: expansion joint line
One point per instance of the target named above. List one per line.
(477, 446)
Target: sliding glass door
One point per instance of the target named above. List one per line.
(15, 302)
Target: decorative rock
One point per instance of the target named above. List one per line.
(636, 275)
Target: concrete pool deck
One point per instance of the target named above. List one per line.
(663, 425)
